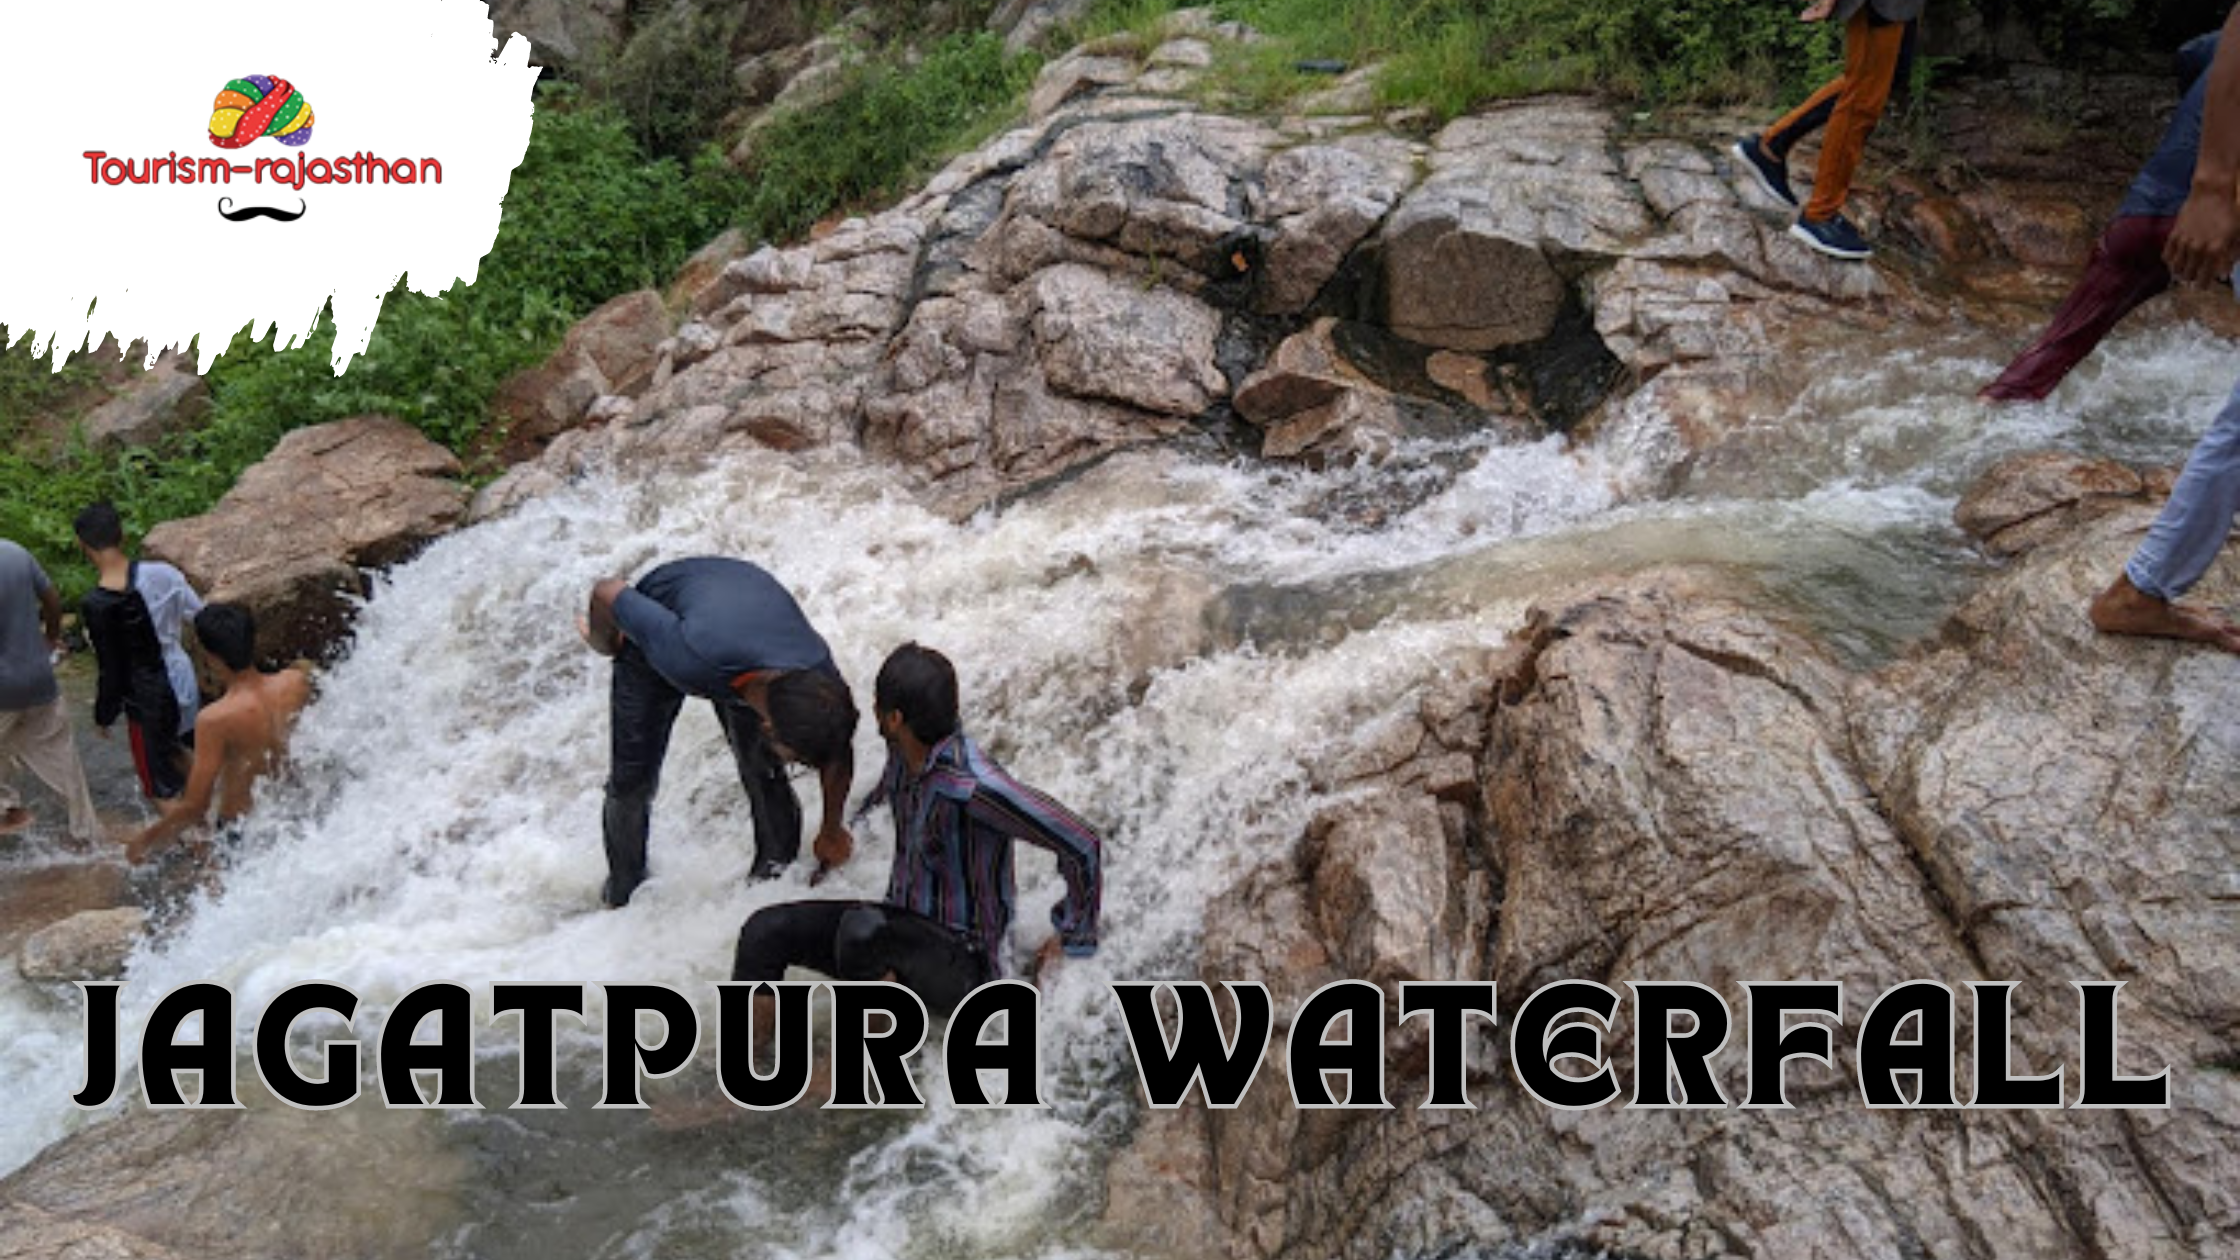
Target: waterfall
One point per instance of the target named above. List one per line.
(1169, 644)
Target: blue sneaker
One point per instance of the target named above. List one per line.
(1833, 236)
(1772, 173)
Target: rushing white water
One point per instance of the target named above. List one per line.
(1167, 644)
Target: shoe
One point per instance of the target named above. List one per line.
(615, 894)
(1833, 236)
(765, 871)
(1772, 173)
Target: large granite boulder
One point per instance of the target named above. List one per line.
(292, 536)
(610, 353)
(1662, 780)
(267, 1182)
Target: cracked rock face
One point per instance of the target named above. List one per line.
(1658, 780)
(1111, 273)
(291, 536)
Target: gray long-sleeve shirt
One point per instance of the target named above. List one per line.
(703, 622)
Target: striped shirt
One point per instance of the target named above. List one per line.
(954, 825)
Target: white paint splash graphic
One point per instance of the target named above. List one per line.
(139, 80)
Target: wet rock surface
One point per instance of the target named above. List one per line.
(1118, 269)
(1663, 779)
(291, 537)
(89, 945)
(265, 1182)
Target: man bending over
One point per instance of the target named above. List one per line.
(727, 632)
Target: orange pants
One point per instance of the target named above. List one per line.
(1850, 106)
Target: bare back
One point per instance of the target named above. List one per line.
(251, 724)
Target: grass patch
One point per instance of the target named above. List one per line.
(888, 126)
(1447, 57)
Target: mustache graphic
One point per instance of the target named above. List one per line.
(244, 214)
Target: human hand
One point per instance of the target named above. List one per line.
(833, 847)
(2205, 239)
(102, 731)
(1048, 962)
(136, 849)
(604, 647)
(1818, 11)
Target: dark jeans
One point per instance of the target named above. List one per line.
(642, 708)
(158, 753)
(861, 940)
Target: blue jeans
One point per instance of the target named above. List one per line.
(2193, 526)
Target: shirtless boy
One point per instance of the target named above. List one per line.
(240, 739)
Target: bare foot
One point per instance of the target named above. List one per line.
(2124, 609)
(14, 819)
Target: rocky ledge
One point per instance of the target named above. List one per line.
(1668, 779)
(1127, 266)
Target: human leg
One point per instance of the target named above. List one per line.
(930, 960)
(794, 934)
(40, 738)
(1870, 54)
(2126, 269)
(157, 739)
(641, 710)
(770, 795)
(2183, 543)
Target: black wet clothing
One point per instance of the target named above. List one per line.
(690, 628)
(135, 684)
(862, 940)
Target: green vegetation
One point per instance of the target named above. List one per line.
(621, 181)
(601, 205)
(1449, 56)
(885, 129)
(588, 217)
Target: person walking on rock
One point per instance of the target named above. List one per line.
(133, 615)
(34, 722)
(2126, 268)
(727, 632)
(2194, 524)
(1877, 38)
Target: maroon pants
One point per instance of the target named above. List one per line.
(2126, 269)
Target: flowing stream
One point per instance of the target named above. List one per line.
(1169, 643)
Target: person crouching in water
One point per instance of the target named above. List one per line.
(940, 929)
(241, 738)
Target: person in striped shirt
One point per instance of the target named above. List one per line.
(950, 899)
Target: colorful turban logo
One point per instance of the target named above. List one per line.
(260, 105)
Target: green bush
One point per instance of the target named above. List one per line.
(672, 81)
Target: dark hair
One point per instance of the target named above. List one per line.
(100, 528)
(921, 685)
(228, 632)
(812, 713)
